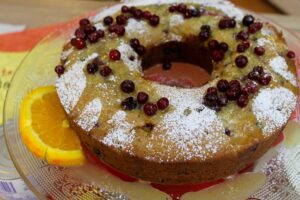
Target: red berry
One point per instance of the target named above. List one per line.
(242, 35)
(251, 87)
(212, 90)
(234, 84)
(127, 86)
(92, 68)
(211, 100)
(253, 28)
(147, 15)
(241, 61)
(79, 33)
(83, 22)
(231, 23)
(150, 109)
(120, 30)
(129, 104)
(205, 28)
(137, 14)
(222, 85)
(140, 50)
(253, 75)
(224, 23)
(59, 69)
(259, 51)
(248, 20)
(134, 43)
(172, 8)
(105, 71)
(162, 103)
(217, 55)
(222, 100)
(154, 20)
(232, 94)
(258, 69)
(121, 19)
(114, 55)
(246, 44)
(132, 9)
(213, 44)
(291, 54)
(265, 79)
(142, 97)
(125, 9)
(223, 46)
(101, 33)
(108, 20)
(93, 37)
(89, 29)
(78, 43)
(204, 35)
(242, 101)
(241, 48)
(181, 8)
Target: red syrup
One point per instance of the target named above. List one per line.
(181, 79)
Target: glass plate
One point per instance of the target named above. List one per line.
(275, 176)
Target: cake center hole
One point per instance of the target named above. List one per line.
(190, 64)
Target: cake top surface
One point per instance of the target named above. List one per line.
(189, 129)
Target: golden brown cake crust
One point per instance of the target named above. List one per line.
(188, 143)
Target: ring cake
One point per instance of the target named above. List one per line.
(168, 134)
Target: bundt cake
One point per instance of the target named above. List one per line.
(173, 135)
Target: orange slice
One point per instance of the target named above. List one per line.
(45, 129)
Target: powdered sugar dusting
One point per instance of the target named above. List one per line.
(122, 134)
(135, 27)
(280, 66)
(263, 42)
(64, 55)
(126, 51)
(194, 129)
(100, 26)
(273, 107)
(266, 31)
(71, 84)
(90, 115)
(176, 20)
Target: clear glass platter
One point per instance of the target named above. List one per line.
(275, 176)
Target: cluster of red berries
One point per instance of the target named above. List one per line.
(258, 74)
(253, 26)
(205, 32)
(226, 23)
(217, 97)
(186, 12)
(137, 47)
(118, 27)
(86, 31)
(128, 12)
(142, 98)
(217, 50)
(95, 65)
